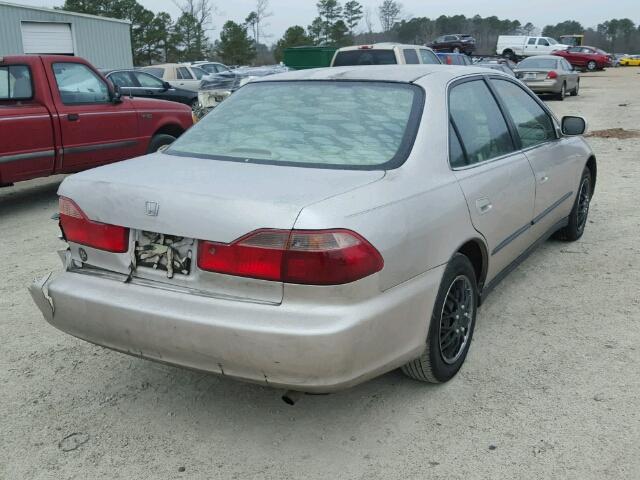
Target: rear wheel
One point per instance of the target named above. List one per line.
(592, 65)
(158, 141)
(451, 327)
(580, 212)
(575, 91)
(510, 55)
(563, 92)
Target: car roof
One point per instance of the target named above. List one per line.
(381, 46)
(545, 57)
(166, 65)
(381, 73)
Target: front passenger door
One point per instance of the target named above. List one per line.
(497, 181)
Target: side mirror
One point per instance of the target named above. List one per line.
(117, 95)
(166, 86)
(573, 126)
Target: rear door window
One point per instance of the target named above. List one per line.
(479, 121)
(533, 123)
(149, 81)
(365, 57)
(184, 73)
(122, 79)
(410, 56)
(15, 83)
(428, 57)
(532, 41)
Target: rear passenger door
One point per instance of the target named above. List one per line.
(556, 166)
(497, 181)
(186, 79)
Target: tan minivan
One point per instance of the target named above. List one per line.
(384, 54)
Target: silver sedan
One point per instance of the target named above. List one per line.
(321, 227)
(549, 74)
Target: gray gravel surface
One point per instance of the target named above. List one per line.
(550, 388)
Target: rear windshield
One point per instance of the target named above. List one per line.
(533, 62)
(158, 72)
(326, 124)
(365, 57)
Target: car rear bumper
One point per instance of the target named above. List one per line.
(545, 86)
(301, 346)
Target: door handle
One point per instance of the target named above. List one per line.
(483, 205)
(73, 117)
(544, 179)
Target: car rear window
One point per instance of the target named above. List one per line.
(538, 63)
(326, 124)
(365, 57)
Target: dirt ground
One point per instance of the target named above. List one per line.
(550, 389)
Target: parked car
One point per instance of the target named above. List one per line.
(211, 67)
(630, 61)
(180, 75)
(384, 54)
(501, 67)
(549, 74)
(455, 59)
(587, 58)
(458, 43)
(323, 228)
(515, 47)
(142, 84)
(58, 114)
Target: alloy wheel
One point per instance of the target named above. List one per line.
(584, 199)
(455, 319)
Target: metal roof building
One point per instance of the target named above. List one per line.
(105, 42)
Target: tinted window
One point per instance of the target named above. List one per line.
(534, 125)
(533, 62)
(15, 83)
(156, 71)
(326, 123)
(184, 73)
(410, 56)
(483, 129)
(428, 57)
(149, 81)
(77, 83)
(365, 57)
(456, 154)
(122, 79)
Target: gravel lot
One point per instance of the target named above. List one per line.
(550, 389)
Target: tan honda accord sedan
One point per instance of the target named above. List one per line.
(321, 227)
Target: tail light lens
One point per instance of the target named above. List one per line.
(309, 257)
(552, 74)
(77, 228)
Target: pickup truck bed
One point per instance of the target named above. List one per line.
(58, 114)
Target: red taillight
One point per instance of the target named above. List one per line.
(77, 228)
(552, 74)
(309, 257)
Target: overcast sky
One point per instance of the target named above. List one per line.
(302, 12)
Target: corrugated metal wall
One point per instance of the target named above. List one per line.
(104, 43)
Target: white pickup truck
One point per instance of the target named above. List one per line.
(518, 46)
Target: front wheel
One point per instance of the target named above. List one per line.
(580, 212)
(451, 328)
(158, 141)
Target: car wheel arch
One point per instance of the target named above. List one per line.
(475, 250)
(172, 129)
(593, 169)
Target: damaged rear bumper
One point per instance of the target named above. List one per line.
(300, 346)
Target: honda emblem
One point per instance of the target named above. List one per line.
(151, 209)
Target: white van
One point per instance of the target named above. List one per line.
(384, 54)
(517, 46)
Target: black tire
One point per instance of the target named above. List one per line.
(510, 55)
(563, 93)
(575, 91)
(592, 66)
(159, 140)
(437, 364)
(580, 211)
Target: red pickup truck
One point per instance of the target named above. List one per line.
(58, 114)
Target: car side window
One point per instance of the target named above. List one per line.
(77, 83)
(567, 66)
(122, 79)
(532, 41)
(543, 41)
(457, 157)
(198, 72)
(428, 57)
(479, 121)
(184, 73)
(575, 50)
(15, 83)
(533, 123)
(450, 38)
(148, 81)
(410, 56)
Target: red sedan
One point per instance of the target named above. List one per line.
(588, 58)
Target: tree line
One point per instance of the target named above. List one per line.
(157, 38)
